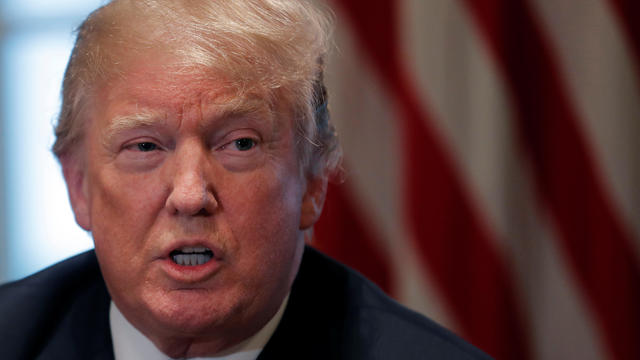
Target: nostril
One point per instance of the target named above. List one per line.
(202, 212)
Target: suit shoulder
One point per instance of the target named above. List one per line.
(32, 308)
(378, 327)
(58, 278)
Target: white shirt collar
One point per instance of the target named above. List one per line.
(131, 344)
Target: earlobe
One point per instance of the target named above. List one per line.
(313, 201)
(74, 176)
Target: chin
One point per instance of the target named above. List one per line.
(194, 312)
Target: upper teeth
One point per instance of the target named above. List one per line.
(193, 249)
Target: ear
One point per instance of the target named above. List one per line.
(74, 176)
(313, 201)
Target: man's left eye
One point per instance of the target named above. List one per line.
(146, 146)
(244, 144)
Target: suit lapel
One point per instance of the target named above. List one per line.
(312, 326)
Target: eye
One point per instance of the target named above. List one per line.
(146, 146)
(244, 144)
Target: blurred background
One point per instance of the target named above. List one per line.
(492, 162)
(36, 223)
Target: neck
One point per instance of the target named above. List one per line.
(191, 346)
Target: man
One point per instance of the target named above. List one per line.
(195, 143)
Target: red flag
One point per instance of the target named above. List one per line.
(491, 148)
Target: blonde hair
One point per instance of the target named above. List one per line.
(274, 45)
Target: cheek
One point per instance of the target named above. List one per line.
(264, 224)
(123, 211)
(122, 207)
(265, 209)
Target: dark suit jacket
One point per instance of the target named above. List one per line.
(333, 313)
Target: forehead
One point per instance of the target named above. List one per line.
(161, 85)
(154, 82)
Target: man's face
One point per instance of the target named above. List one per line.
(176, 170)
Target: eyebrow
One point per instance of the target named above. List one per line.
(243, 106)
(130, 121)
(127, 122)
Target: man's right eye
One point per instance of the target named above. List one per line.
(147, 146)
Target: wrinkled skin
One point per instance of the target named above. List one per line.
(173, 161)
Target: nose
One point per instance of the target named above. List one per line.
(192, 192)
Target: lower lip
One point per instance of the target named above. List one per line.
(191, 274)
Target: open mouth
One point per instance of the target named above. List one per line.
(191, 256)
